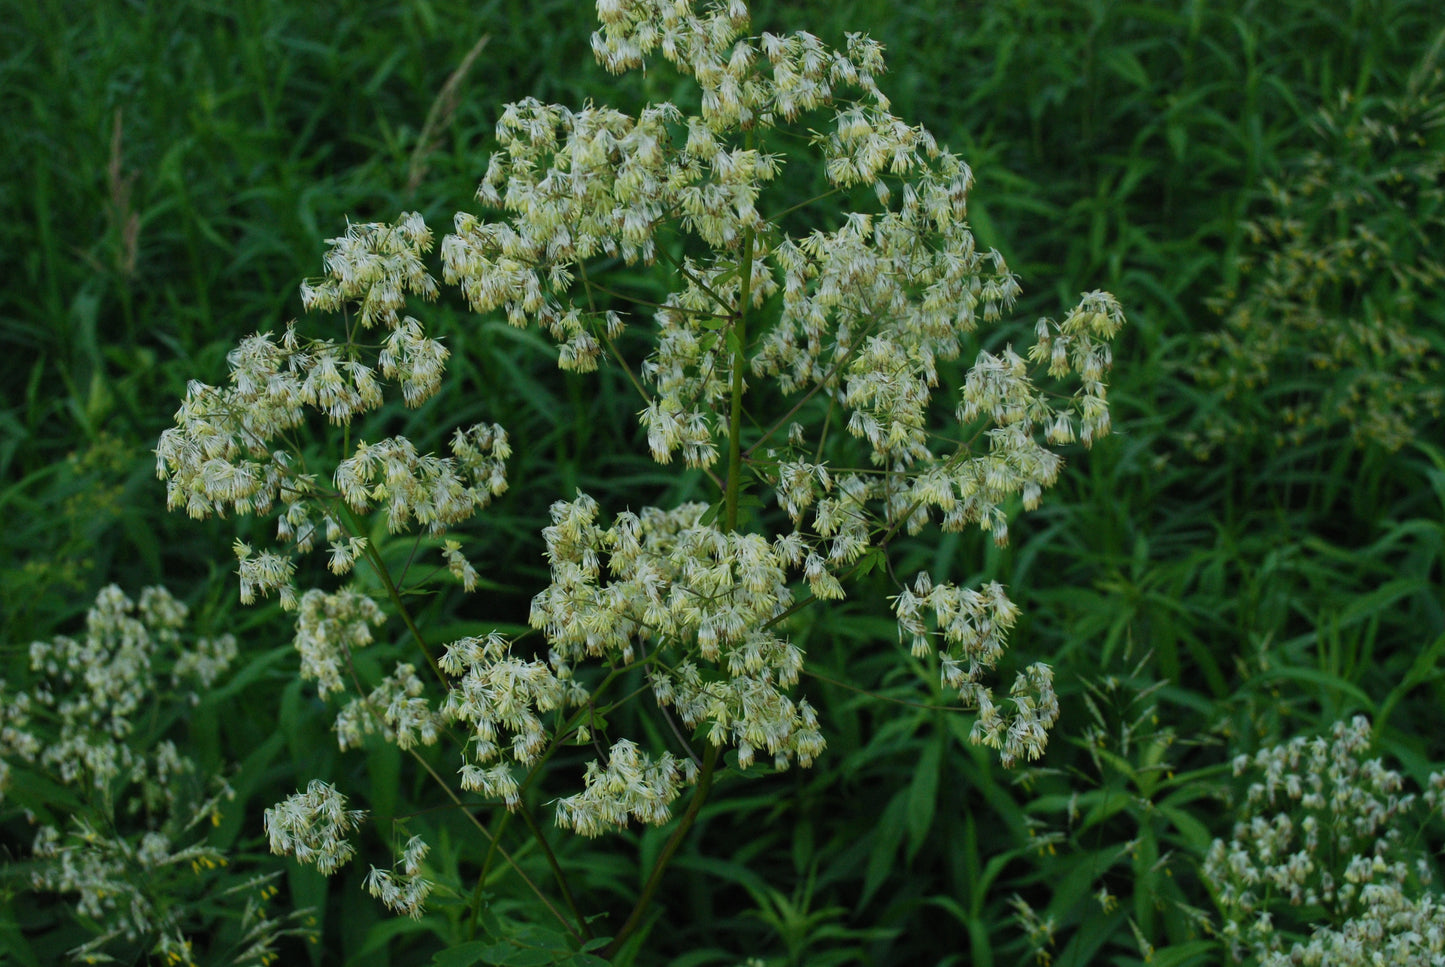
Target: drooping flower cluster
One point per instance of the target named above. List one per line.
(497, 690)
(398, 708)
(685, 592)
(403, 891)
(633, 785)
(96, 687)
(1319, 869)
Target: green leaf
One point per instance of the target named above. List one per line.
(923, 796)
(1422, 669)
(882, 859)
(462, 955)
(532, 957)
(383, 770)
(1180, 955)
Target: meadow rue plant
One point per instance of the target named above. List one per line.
(124, 831)
(846, 326)
(1321, 867)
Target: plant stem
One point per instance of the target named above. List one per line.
(557, 872)
(379, 567)
(739, 337)
(516, 867)
(654, 880)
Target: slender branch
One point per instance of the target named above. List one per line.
(511, 861)
(740, 359)
(557, 872)
(373, 557)
(684, 826)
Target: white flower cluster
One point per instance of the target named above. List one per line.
(91, 690)
(231, 448)
(405, 891)
(497, 690)
(859, 316)
(632, 786)
(976, 622)
(1320, 848)
(867, 311)
(313, 826)
(692, 592)
(328, 628)
(111, 876)
(129, 851)
(398, 706)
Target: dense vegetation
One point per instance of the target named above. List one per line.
(1254, 554)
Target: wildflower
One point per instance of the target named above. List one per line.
(313, 826)
(405, 891)
(126, 849)
(1324, 828)
(631, 786)
(861, 314)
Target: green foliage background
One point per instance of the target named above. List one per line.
(169, 173)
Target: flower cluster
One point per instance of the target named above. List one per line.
(683, 591)
(851, 323)
(976, 622)
(94, 719)
(497, 689)
(313, 826)
(398, 706)
(232, 449)
(1318, 869)
(633, 785)
(405, 891)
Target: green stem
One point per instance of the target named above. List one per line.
(739, 336)
(516, 867)
(495, 836)
(557, 873)
(373, 557)
(654, 880)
